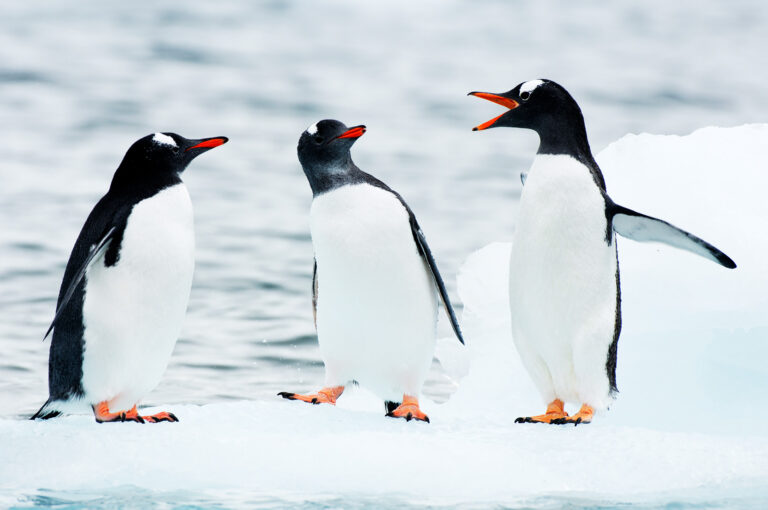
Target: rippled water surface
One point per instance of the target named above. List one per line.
(80, 82)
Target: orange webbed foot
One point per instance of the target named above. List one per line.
(162, 416)
(409, 410)
(102, 414)
(324, 396)
(584, 415)
(555, 413)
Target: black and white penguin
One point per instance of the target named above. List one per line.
(126, 286)
(375, 281)
(564, 288)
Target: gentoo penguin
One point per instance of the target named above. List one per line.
(375, 282)
(126, 286)
(564, 288)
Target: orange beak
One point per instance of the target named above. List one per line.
(503, 101)
(353, 132)
(209, 143)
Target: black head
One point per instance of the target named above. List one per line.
(324, 152)
(159, 157)
(545, 107)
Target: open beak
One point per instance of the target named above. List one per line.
(353, 132)
(494, 98)
(208, 143)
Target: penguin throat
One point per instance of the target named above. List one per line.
(564, 138)
(324, 178)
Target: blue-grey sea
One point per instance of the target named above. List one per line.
(80, 81)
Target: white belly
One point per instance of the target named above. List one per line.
(377, 303)
(563, 282)
(133, 311)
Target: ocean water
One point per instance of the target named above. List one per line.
(79, 83)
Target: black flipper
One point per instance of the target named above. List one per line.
(422, 246)
(421, 243)
(94, 252)
(643, 228)
(314, 293)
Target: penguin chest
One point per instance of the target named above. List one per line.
(133, 310)
(562, 273)
(377, 304)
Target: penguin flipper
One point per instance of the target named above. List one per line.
(314, 293)
(643, 228)
(426, 253)
(95, 251)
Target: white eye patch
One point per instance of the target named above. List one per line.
(312, 129)
(530, 86)
(164, 140)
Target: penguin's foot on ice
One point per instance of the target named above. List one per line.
(157, 418)
(555, 413)
(102, 414)
(409, 410)
(583, 416)
(324, 396)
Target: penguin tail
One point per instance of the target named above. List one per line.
(45, 413)
(390, 406)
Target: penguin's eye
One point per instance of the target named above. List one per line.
(319, 139)
(525, 95)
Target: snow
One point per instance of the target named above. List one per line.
(688, 425)
(286, 448)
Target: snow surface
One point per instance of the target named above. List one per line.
(689, 423)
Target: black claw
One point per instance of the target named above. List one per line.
(286, 394)
(426, 419)
(578, 420)
(409, 417)
(390, 415)
(139, 419)
(173, 417)
(520, 420)
(122, 417)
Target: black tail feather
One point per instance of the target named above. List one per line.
(390, 406)
(45, 414)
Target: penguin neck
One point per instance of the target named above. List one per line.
(145, 182)
(559, 136)
(325, 178)
(569, 139)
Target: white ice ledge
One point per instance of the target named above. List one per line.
(690, 418)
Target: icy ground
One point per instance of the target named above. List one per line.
(689, 426)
